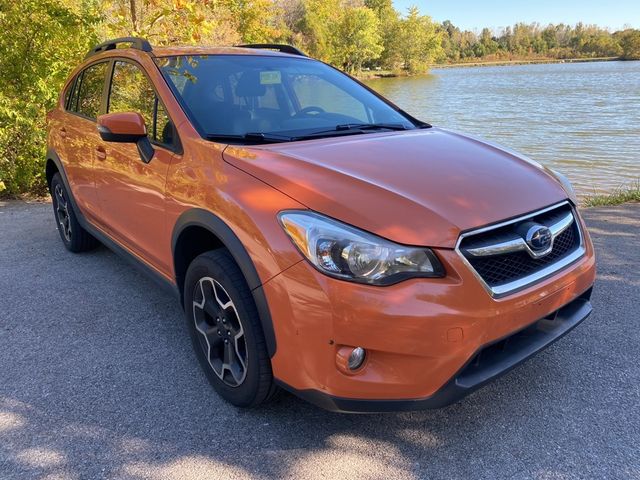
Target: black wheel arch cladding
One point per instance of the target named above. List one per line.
(205, 219)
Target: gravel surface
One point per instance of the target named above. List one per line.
(98, 380)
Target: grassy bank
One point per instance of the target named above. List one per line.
(617, 197)
(369, 74)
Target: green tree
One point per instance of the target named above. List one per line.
(601, 45)
(389, 21)
(357, 39)
(259, 21)
(419, 41)
(175, 21)
(487, 41)
(43, 39)
(318, 25)
(341, 33)
(630, 43)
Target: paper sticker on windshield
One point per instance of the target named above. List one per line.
(270, 77)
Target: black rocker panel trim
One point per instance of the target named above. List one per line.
(111, 244)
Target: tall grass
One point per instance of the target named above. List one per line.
(618, 196)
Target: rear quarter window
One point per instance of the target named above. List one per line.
(68, 94)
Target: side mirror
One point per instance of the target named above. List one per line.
(126, 127)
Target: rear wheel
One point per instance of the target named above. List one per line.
(226, 331)
(75, 238)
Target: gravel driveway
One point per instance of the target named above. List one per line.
(98, 380)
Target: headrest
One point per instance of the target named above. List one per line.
(249, 85)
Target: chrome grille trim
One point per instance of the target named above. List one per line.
(516, 243)
(516, 285)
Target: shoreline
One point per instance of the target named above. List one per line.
(374, 74)
(532, 61)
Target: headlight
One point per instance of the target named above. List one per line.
(566, 185)
(345, 252)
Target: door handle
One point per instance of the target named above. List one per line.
(63, 132)
(101, 153)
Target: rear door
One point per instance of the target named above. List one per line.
(79, 134)
(131, 193)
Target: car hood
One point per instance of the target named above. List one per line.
(421, 187)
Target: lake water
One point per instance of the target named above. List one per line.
(582, 119)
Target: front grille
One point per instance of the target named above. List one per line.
(509, 269)
(500, 269)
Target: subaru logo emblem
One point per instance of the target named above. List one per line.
(539, 238)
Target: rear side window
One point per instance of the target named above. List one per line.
(131, 91)
(88, 91)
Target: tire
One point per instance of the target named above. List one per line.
(75, 238)
(225, 330)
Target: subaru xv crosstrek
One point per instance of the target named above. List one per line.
(319, 238)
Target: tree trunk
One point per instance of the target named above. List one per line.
(134, 17)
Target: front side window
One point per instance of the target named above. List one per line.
(88, 91)
(239, 95)
(131, 91)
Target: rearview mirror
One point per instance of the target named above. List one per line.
(126, 127)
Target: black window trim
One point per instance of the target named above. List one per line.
(73, 94)
(176, 148)
(77, 85)
(69, 92)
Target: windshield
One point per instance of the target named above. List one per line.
(279, 97)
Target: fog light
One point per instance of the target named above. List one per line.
(356, 358)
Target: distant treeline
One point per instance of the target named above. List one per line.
(525, 41)
(44, 39)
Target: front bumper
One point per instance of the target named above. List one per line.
(421, 335)
(489, 362)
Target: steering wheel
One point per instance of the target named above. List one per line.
(309, 110)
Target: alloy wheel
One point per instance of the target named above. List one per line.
(220, 331)
(62, 212)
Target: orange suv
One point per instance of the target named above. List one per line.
(319, 238)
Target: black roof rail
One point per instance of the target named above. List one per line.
(275, 46)
(135, 42)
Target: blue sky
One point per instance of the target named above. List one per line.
(471, 15)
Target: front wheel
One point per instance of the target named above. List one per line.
(225, 329)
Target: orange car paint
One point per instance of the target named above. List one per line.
(406, 328)
(418, 332)
(123, 123)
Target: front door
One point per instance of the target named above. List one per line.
(131, 193)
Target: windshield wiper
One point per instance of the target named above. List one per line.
(338, 130)
(371, 126)
(250, 137)
(349, 129)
